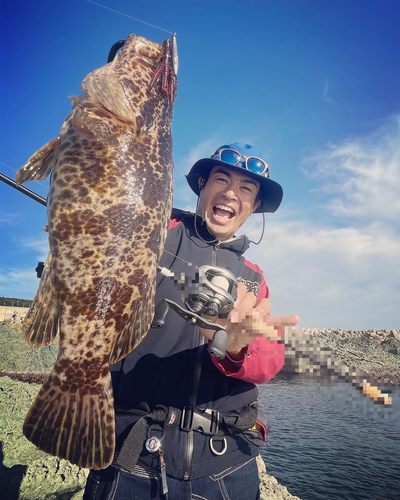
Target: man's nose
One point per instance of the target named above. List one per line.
(230, 194)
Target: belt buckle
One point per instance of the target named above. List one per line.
(187, 418)
(208, 420)
(214, 420)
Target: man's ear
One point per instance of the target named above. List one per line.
(256, 205)
(201, 183)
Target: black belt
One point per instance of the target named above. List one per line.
(205, 420)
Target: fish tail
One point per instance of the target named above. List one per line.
(74, 420)
(40, 325)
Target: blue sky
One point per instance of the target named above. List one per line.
(313, 84)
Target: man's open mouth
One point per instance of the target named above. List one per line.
(223, 211)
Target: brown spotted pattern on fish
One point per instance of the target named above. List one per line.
(108, 209)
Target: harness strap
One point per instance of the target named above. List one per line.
(133, 445)
(205, 420)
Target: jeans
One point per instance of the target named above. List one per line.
(235, 483)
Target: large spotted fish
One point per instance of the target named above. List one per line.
(108, 210)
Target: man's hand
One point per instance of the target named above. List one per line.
(247, 320)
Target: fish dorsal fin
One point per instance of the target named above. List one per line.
(40, 164)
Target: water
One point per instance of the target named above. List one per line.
(329, 443)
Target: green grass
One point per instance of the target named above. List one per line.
(17, 355)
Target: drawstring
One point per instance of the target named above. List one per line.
(262, 232)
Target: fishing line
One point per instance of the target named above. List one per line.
(14, 170)
(126, 15)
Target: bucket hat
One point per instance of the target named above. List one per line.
(241, 158)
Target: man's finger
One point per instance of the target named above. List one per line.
(290, 320)
(269, 328)
(263, 306)
(241, 293)
(246, 300)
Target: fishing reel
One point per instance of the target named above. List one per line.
(213, 294)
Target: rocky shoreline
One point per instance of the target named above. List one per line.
(374, 352)
(27, 473)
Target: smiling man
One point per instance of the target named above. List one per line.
(227, 200)
(188, 425)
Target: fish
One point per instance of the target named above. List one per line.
(109, 204)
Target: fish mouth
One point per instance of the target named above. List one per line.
(223, 211)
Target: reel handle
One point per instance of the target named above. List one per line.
(218, 344)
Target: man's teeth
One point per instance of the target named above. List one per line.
(223, 207)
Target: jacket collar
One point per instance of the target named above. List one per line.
(237, 244)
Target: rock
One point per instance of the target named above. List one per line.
(392, 345)
(270, 489)
(367, 351)
(394, 334)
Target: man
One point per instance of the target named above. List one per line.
(187, 424)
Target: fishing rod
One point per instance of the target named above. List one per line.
(23, 190)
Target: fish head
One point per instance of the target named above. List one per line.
(135, 88)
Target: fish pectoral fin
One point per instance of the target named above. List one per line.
(40, 325)
(40, 164)
(96, 119)
(104, 86)
(135, 331)
(74, 419)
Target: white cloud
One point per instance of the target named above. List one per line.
(345, 274)
(8, 218)
(325, 92)
(202, 150)
(346, 277)
(19, 283)
(22, 282)
(40, 244)
(183, 197)
(361, 175)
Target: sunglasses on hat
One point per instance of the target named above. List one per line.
(252, 163)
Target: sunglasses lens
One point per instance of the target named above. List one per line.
(255, 165)
(230, 156)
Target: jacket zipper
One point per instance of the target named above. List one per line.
(214, 254)
(196, 381)
(192, 403)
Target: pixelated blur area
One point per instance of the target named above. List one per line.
(306, 355)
